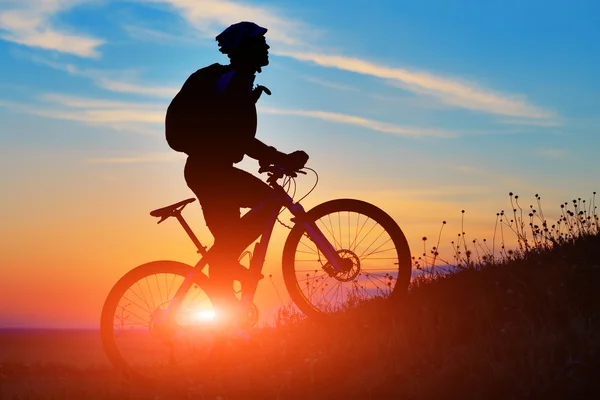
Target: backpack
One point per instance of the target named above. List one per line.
(192, 110)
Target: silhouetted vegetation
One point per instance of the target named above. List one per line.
(493, 323)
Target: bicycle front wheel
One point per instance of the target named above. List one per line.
(136, 336)
(360, 232)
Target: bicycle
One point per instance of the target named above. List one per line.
(338, 273)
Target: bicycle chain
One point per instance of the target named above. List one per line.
(290, 228)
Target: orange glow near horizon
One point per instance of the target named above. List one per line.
(60, 276)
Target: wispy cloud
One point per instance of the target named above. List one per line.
(331, 85)
(144, 117)
(29, 23)
(104, 116)
(146, 34)
(78, 102)
(454, 92)
(211, 16)
(410, 101)
(146, 90)
(364, 122)
(141, 118)
(115, 81)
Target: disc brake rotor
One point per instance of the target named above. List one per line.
(350, 266)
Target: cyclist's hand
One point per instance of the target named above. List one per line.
(291, 163)
(296, 160)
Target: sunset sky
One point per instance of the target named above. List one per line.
(424, 108)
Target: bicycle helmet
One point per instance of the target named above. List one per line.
(237, 34)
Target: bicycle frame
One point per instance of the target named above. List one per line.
(282, 199)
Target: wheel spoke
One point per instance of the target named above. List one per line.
(143, 298)
(340, 231)
(367, 234)
(375, 251)
(305, 252)
(320, 284)
(149, 291)
(380, 258)
(122, 319)
(337, 244)
(170, 286)
(158, 287)
(305, 245)
(354, 245)
(124, 309)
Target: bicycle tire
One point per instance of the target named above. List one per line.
(402, 253)
(117, 293)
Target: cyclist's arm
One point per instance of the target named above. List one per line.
(263, 153)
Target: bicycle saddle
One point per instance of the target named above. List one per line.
(166, 212)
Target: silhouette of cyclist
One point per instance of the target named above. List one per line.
(221, 188)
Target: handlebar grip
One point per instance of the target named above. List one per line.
(274, 168)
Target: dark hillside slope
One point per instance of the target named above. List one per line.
(525, 327)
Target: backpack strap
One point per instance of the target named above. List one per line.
(224, 81)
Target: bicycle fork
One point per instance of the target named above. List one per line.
(317, 236)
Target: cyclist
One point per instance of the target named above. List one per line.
(221, 188)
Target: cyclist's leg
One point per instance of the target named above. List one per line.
(222, 214)
(221, 194)
(250, 193)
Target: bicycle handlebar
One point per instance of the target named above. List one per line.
(277, 172)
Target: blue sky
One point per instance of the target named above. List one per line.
(424, 108)
(441, 79)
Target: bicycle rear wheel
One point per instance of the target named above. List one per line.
(361, 232)
(136, 338)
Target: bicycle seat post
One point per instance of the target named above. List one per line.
(188, 230)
